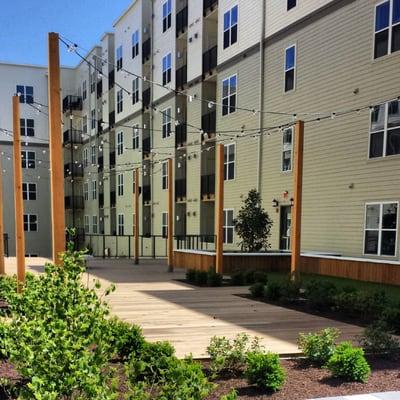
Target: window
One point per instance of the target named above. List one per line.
(135, 90)
(84, 124)
(29, 191)
(135, 44)
(121, 224)
(86, 191)
(228, 226)
(229, 90)
(93, 82)
(135, 137)
(166, 123)
(93, 119)
(164, 224)
(25, 94)
(385, 130)
(387, 28)
(27, 127)
(120, 143)
(94, 224)
(28, 159)
(229, 162)
(230, 27)
(84, 90)
(287, 147)
(120, 98)
(94, 190)
(120, 184)
(291, 4)
(166, 68)
(290, 68)
(93, 154)
(85, 158)
(381, 229)
(167, 12)
(164, 175)
(30, 223)
(119, 58)
(87, 223)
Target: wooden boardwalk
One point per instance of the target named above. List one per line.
(168, 309)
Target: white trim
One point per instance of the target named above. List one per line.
(230, 162)
(167, 112)
(225, 226)
(29, 224)
(229, 10)
(295, 68)
(291, 151)
(228, 78)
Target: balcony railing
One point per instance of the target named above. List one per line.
(111, 119)
(181, 76)
(209, 4)
(208, 186)
(112, 159)
(146, 98)
(181, 21)
(146, 147)
(146, 193)
(74, 202)
(210, 60)
(72, 136)
(101, 200)
(180, 135)
(72, 169)
(111, 79)
(113, 198)
(146, 50)
(100, 163)
(99, 89)
(72, 103)
(209, 122)
(180, 189)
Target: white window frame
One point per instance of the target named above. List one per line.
(164, 175)
(135, 43)
(84, 124)
(121, 224)
(166, 15)
(85, 157)
(94, 190)
(380, 229)
(93, 155)
(84, 90)
(120, 143)
(119, 57)
(25, 159)
(86, 223)
(230, 27)
(25, 129)
(93, 119)
(29, 223)
(227, 162)
(166, 123)
(226, 227)
(28, 192)
(167, 69)
(135, 137)
(164, 224)
(120, 101)
(289, 148)
(229, 95)
(286, 70)
(93, 82)
(86, 191)
(120, 184)
(135, 90)
(95, 225)
(291, 8)
(24, 97)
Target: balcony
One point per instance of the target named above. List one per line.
(146, 147)
(181, 76)
(180, 135)
(146, 194)
(180, 189)
(112, 159)
(74, 202)
(72, 103)
(101, 200)
(111, 79)
(209, 122)
(99, 127)
(100, 163)
(208, 187)
(99, 89)
(209, 5)
(146, 50)
(181, 21)
(111, 119)
(72, 136)
(210, 58)
(73, 170)
(146, 98)
(113, 199)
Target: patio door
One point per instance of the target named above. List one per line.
(285, 225)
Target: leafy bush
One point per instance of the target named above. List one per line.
(265, 371)
(257, 289)
(249, 277)
(214, 279)
(321, 294)
(260, 276)
(238, 278)
(319, 347)
(230, 355)
(349, 363)
(201, 278)
(273, 291)
(232, 395)
(377, 339)
(191, 275)
(291, 290)
(391, 316)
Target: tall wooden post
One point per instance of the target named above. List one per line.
(2, 266)
(297, 200)
(219, 209)
(136, 218)
(170, 238)
(18, 200)
(56, 152)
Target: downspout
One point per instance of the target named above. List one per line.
(261, 99)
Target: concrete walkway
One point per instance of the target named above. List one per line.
(188, 316)
(373, 396)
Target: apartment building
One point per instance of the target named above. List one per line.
(175, 77)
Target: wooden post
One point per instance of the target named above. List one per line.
(170, 238)
(219, 209)
(18, 200)
(56, 152)
(297, 200)
(136, 219)
(2, 266)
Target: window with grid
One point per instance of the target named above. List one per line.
(166, 68)
(86, 191)
(230, 27)
(25, 94)
(167, 15)
(290, 68)
(29, 191)
(28, 159)
(85, 157)
(381, 221)
(287, 149)
(119, 58)
(166, 123)
(93, 82)
(84, 124)
(164, 224)
(87, 223)
(229, 91)
(120, 101)
(121, 223)
(135, 137)
(30, 223)
(387, 28)
(385, 130)
(228, 227)
(120, 143)
(94, 224)
(164, 175)
(135, 44)
(94, 190)
(27, 127)
(135, 90)
(93, 119)
(93, 154)
(120, 184)
(84, 90)
(229, 161)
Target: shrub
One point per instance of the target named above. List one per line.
(3, 336)
(260, 276)
(232, 395)
(201, 278)
(214, 279)
(349, 363)
(319, 347)
(391, 316)
(265, 371)
(273, 291)
(238, 278)
(321, 294)
(345, 302)
(191, 275)
(257, 289)
(290, 290)
(377, 339)
(249, 277)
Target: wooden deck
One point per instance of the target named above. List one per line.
(168, 309)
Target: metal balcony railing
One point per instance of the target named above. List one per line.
(72, 136)
(75, 170)
(181, 76)
(180, 135)
(208, 185)
(181, 21)
(75, 202)
(210, 59)
(72, 103)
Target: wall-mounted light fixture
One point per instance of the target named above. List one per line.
(291, 201)
(275, 203)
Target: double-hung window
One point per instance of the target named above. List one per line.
(166, 68)
(94, 224)
(166, 123)
(164, 224)
(290, 68)
(229, 91)
(84, 90)
(167, 14)
(385, 130)
(25, 94)
(229, 161)
(287, 149)
(387, 28)
(93, 82)
(93, 155)
(93, 119)
(120, 101)
(84, 124)
(135, 137)
(94, 190)
(29, 191)
(86, 191)
(228, 226)
(27, 127)
(28, 159)
(231, 27)
(135, 90)
(121, 223)
(164, 175)
(119, 58)
(135, 44)
(85, 157)
(120, 184)
(87, 223)
(120, 143)
(381, 221)
(30, 223)
(291, 4)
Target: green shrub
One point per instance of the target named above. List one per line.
(321, 294)
(345, 302)
(238, 278)
(377, 339)
(260, 276)
(349, 363)
(273, 291)
(4, 333)
(265, 371)
(319, 347)
(391, 316)
(291, 290)
(232, 395)
(201, 277)
(257, 289)
(214, 279)
(249, 277)
(191, 275)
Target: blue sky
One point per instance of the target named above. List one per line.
(24, 25)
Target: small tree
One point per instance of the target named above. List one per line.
(253, 224)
